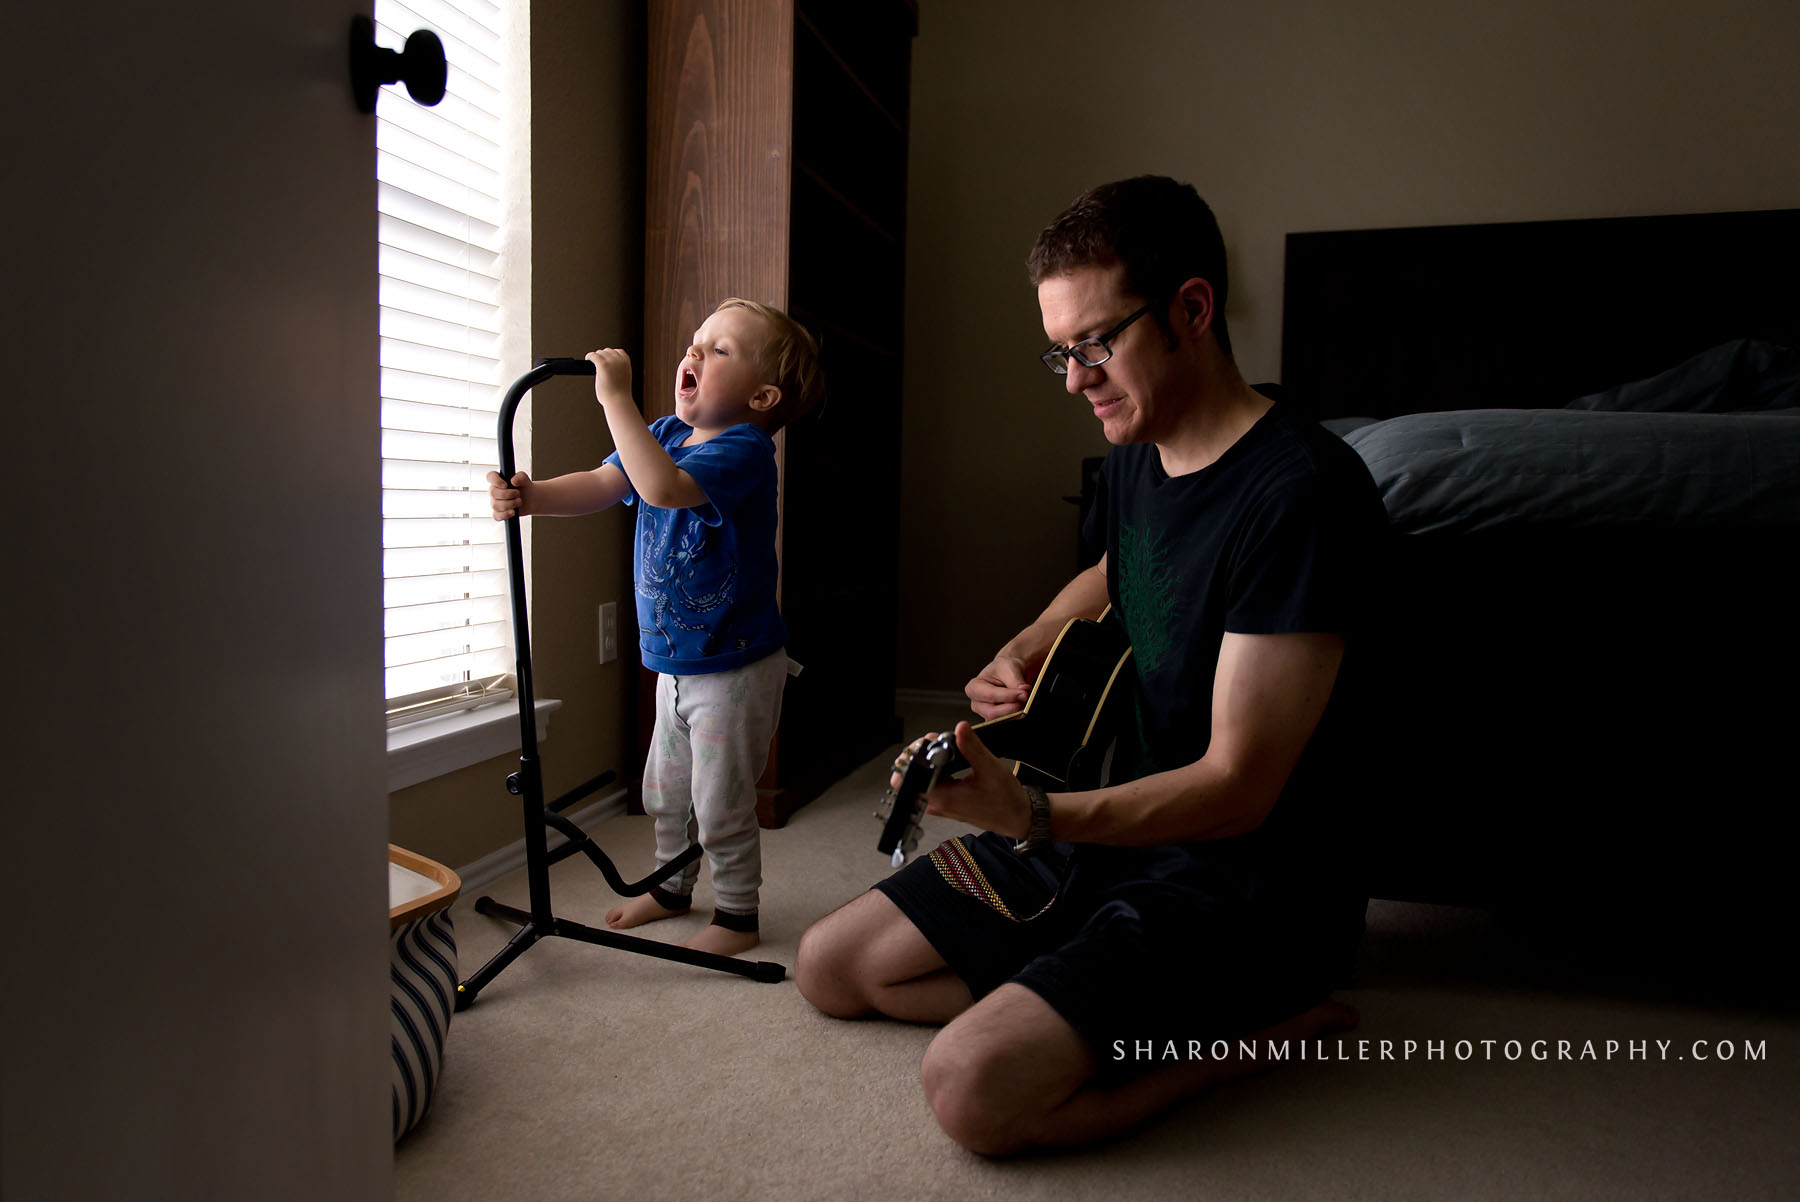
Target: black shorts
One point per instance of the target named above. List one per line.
(1126, 944)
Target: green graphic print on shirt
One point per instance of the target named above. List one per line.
(1150, 596)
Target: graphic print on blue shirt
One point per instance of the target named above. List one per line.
(664, 576)
(705, 577)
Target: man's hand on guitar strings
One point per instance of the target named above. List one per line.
(987, 796)
(1000, 688)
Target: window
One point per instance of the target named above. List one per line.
(445, 319)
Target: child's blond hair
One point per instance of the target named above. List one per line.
(790, 358)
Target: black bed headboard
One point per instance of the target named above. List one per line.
(1526, 315)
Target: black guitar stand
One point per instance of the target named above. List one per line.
(528, 783)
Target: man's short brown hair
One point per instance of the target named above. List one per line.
(1158, 229)
(789, 358)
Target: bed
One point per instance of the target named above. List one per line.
(1576, 696)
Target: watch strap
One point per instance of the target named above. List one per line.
(1037, 833)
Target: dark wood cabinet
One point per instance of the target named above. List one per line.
(777, 171)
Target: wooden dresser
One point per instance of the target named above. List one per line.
(776, 171)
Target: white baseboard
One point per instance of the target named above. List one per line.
(491, 867)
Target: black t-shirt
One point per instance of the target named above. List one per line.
(1277, 536)
(1272, 538)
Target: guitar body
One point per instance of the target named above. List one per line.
(1057, 741)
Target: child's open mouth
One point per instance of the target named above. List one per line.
(690, 383)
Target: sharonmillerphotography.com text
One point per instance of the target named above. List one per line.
(1281, 1051)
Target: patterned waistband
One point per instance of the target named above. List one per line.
(958, 867)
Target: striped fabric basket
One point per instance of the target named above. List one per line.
(422, 969)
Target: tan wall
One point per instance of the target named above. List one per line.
(587, 288)
(1288, 115)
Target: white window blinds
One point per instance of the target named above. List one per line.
(442, 200)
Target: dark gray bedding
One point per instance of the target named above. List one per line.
(1563, 696)
(1477, 469)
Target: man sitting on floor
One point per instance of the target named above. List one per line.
(1200, 895)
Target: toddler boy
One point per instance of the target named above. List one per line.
(705, 571)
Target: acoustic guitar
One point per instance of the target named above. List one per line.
(1058, 741)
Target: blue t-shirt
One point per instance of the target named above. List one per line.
(706, 576)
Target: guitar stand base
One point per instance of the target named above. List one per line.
(531, 931)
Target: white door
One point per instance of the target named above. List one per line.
(195, 815)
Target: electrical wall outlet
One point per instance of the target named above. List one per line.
(609, 632)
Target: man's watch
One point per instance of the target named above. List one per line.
(1037, 834)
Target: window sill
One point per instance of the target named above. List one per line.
(433, 747)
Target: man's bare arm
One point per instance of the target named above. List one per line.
(1269, 692)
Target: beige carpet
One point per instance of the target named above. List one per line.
(588, 1073)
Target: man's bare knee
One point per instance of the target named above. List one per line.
(824, 972)
(960, 1087)
(995, 1076)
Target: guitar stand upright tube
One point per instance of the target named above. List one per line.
(540, 922)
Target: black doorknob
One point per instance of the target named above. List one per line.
(421, 65)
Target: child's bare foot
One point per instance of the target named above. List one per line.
(723, 941)
(637, 911)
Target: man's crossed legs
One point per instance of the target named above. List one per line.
(1007, 1073)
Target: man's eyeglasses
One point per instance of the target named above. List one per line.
(1089, 352)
